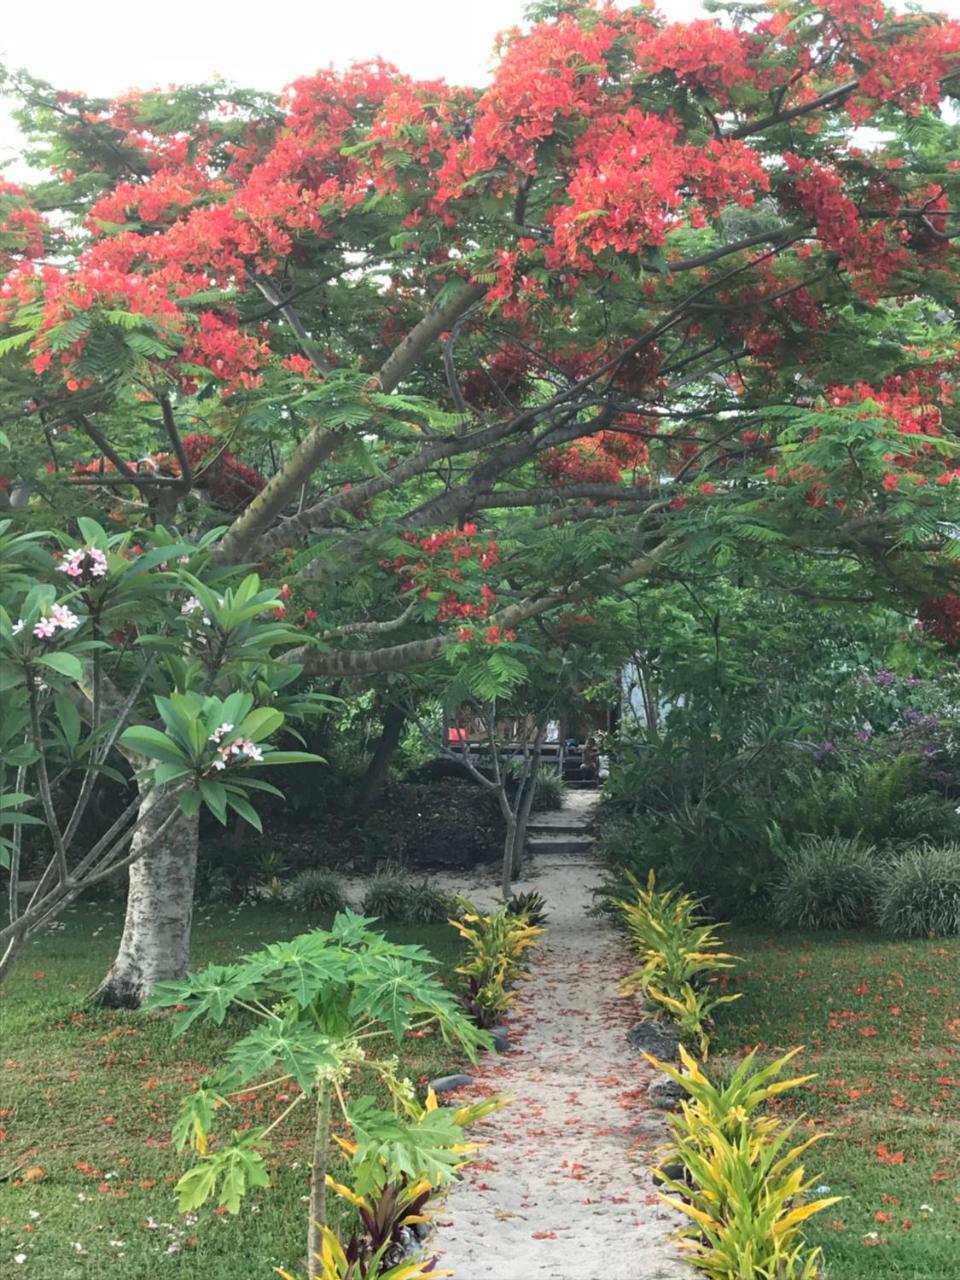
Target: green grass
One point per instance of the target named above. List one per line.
(88, 1098)
(881, 1024)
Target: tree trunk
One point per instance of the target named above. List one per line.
(318, 1184)
(523, 816)
(509, 841)
(525, 800)
(155, 945)
(394, 718)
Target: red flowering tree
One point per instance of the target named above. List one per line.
(651, 303)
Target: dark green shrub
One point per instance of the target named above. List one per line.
(317, 891)
(873, 799)
(920, 893)
(927, 817)
(720, 852)
(393, 897)
(827, 882)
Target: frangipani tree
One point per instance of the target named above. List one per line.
(190, 696)
(649, 304)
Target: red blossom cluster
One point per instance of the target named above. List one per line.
(905, 71)
(211, 340)
(702, 56)
(21, 227)
(504, 376)
(940, 617)
(633, 183)
(229, 482)
(865, 249)
(449, 565)
(583, 462)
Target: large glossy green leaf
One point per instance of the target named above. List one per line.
(64, 663)
(153, 744)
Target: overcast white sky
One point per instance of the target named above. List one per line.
(112, 45)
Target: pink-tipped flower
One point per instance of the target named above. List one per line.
(84, 565)
(64, 617)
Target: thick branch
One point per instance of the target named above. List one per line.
(548, 495)
(319, 444)
(373, 628)
(829, 99)
(353, 662)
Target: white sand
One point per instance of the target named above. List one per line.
(563, 1191)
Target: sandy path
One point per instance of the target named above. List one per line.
(562, 1192)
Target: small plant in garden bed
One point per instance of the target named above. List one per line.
(317, 891)
(550, 791)
(391, 896)
(692, 1010)
(322, 1002)
(532, 907)
(743, 1184)
(497, 946)
(679, 954)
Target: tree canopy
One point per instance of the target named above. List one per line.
(662, 301)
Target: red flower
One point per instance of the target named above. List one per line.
(888, 1157)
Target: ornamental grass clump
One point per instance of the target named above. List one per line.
(827, 882)
(679, 954)
(743, 1184)
(323, 1006)
(920, 893)
(496, 959)
(317, 891)
(391, 896)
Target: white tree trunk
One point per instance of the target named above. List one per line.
(155, 945)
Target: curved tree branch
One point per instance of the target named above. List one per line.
(320, 444)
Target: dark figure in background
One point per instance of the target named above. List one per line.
(590, 763)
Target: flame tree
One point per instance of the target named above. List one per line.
(661, 299)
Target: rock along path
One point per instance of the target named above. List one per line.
(563, 1191)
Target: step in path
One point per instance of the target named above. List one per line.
(563, 1191)
(564, 831)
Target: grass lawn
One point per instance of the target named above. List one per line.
(88, 1098)
(881, 1024)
